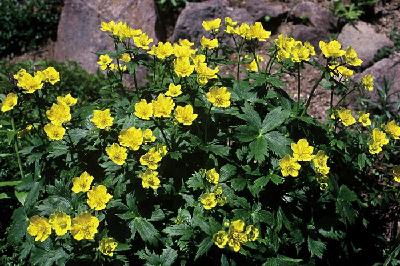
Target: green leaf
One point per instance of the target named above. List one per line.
(250, 116)
(259, 148)
(168, 256)
(238, 183)
(18, 226)
(245, 133)
(196, 181)
(145, 229)
(178, 230)
(258, 185)
(77, 134)
(4, 196)
(204, 246)
(282, 261)
(332, 234)
(32, 196)
(276, 179)
(220, 150)
(9, 183)
(277, 143)
(274, 119)
(275, 81)
(226, 172)
(316, 247)
(49, 257)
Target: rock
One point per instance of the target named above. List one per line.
(189, 21)
(385, 70)
(365, 40)
(304, 33)
(317, 15)
(261, 8)
(79, 35)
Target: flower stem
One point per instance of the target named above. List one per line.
(298, 87)
(312, 93)
(21, 171)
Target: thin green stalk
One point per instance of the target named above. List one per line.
(312, 93)
(298, 86)
(21, 171)
(206, 124)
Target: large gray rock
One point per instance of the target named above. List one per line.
(261, 8)
(365, 40)
(316, 15)
(304, 33)
(79, 35)
(189, 21)
(386, 71)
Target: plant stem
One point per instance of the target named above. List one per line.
(21, 171)
(298, 87)
(312, 93)
(206, 124)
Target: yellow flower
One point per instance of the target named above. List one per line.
(162, 50)
(142, 41)
(117, 153)
(59, 113)
(54, 132)
(257, 31)
(208, 43)
(185, 115)
(208, 200)
(302, 151)
(102, 119)
(120, 29)
(351, 57)
(148, 136)
(252, 232)
(98, 197)
(84, 226)
(150, 179)
(346, 117)
(212, 25)
(212, 176)
(144, 110)
(183, 50)
(107, 246)
(39, 227)
(237, 226)
(114, 67)
(198, 60)
(289, 166)
(82, 183)
(185, 42)
(125, 57)
(378, 140)
(332, 49)
(205, 73)
(320, 163)
(131, 138)
(182, 67)
(241, 30)
(220, 238)
(230, 22)
(252, 66)
(163, 106)
(396, 173)
(67, 100)
(368, 82)
(236, 235)
(60, 222)
(341, 71)
(364, 119)
(104, 61)
(51, 75)
(27, 82)
(393, 129)
(9, 102)
(151, 159)
(219, 96)
(174, 90)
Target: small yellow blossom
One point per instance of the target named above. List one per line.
(39, 227)
(54, 132)
(131, 138)
(125, 57)
(346, 117)
(59, 113)
(150, 179)
(368, 82)
(332, 49)
(68, 100)
(351, 57)
(320, 163)
(220, 239)
(117, 154)
(208, 43)
(163, 106)
(219, 96)
(252, 233)
(142, 41)
(396, 173)
(84, 226)
(302, 151)
(182, 67)
(151, 159)
(364, 119)
(393, 129)
(148, 136)
(257, 31)
(289, 166)
(50, 75)
(208, 200)
(212, 25)
(185, 115)
(107, 246)
(378, 140)
(97, 197)
(9, 102)
(162, 50)
(82, 183)
(102, 119)
(144, 110)
(212, 176)
(104, 61)
(27, 82)
(174, 90)
(60, 222)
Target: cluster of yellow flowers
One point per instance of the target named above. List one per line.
(346, 117)
(215, 197)
(303, 152)
(296, 51)
(58, 114)
(106, 62)
(30, 83)
(237, 235)
(338, 58)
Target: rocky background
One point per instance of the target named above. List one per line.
(79, 37)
